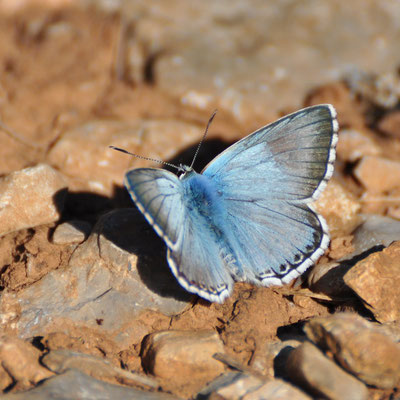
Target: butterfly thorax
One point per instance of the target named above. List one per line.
(203, 198)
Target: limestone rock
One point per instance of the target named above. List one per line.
(358, 347)
(71, 232)
(31, 197)
(21, 361)
(311, 369)
(376, 280)
(183, 356)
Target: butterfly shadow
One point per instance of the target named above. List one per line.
(127, 229)
(208, 151)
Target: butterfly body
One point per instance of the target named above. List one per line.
(247, 216)
(204, 200)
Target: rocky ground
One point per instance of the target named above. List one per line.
(88, 306)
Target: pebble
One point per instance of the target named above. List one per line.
(184, 357)
(71, 232)
(327, 278)
(355, 144)
(374, 231)
(390, 123)
(340, 209)
(265, 359)
(84, 156)
(378, 174)
(245, 386)
(382, 89)
(376, 281)
(311, 369)
(31, 197)
(276, 389)
(230, 386)
(59, 361)
(20, 360)
(359, 347)
(75, 385)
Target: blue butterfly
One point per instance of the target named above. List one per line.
(247, 216)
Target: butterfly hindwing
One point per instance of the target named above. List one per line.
(275, 243)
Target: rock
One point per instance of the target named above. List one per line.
(231, 386)
(378, 174)
(350, 112)
(383, 89)
(390, 123)
(276, 389)
(184, 357)
(376, 280)
(265, 358)
(238, 385)
(376, 230)
(309, 368)
(137, 258)
(359, 347)
(75, 385)
(31, 197)
(327, 278)
(355, 144)
(5, 380)
(83, 153)
(113, 277)
(71, 232)
(59, 361)
(249, 60)
(341, 247)
(340, 209)
(21, 362)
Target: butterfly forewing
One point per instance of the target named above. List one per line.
(159, 196)
(291, 158)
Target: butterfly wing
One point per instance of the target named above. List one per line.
(159, 196)
(267, 180)
(193, 254)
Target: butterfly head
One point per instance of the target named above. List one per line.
(184, 171)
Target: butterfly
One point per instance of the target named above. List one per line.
(247, 216)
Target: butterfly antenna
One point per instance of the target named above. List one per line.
(146, 158)
(203, 138)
